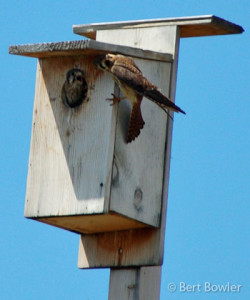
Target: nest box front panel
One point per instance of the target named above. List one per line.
(69, 156)
(139, 167)
(80, 163)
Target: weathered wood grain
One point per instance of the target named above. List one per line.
(84, 47)
(73, 162)
(142, 246)
(67, 166)
(137, 179)
(127, 248)
(131, 283)
(95, 223)
(189, 26)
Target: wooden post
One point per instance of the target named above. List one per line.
(135, 283)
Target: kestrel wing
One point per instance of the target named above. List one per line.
(131, 75)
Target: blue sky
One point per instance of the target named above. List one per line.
(207, 234)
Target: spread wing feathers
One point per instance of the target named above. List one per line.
(128, 73)
(136, 122)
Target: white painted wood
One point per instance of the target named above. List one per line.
(133, 283)
(68, 170)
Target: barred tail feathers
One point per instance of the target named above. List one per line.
(136, 122)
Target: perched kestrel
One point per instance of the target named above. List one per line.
(134, 86)
(74, 89)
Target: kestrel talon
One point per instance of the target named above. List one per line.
(134, 86)
(75, 88)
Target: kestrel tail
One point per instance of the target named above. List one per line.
(134, 86)
(136, 121)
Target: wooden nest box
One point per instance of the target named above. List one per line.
(82, 174)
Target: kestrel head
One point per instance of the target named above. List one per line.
(105, 62)
(75, 75)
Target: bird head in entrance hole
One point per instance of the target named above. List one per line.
(75, 88)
